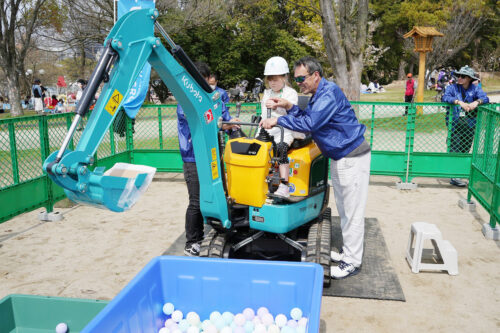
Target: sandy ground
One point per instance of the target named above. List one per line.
(93, 253)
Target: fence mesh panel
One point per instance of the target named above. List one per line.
(6, 175)
(169, 127)
(385, 125)
(146, 129)
(29, 155)
(431, 130)
(488, 141)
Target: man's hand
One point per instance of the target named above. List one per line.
(268, 123)
(464, 106)
(226, 127)
(473, 105)
(275, 102)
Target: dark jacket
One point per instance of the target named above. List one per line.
(469, 95)
(185, 143)
(330, 119)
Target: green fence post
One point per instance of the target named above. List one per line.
(410, 138)
(44, 153)
(129, 135)
(112, 139)
(372, 125)
(495, 215)
(450, 127)
(160, 128)
(13, 153)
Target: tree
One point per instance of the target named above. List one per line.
(344, 29)
(459, 21)
(19, 21)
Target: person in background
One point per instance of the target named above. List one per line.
(466, 97)
(410, 87)
(194, 219)
(60, 106)
(37, 92)
(53, 103)
(276, 80)
(332, 123)
(81, 86)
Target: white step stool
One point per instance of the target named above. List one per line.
(443, 253)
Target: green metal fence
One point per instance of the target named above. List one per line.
(407, 140)
(484, 182)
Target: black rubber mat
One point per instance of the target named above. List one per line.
(377, 278)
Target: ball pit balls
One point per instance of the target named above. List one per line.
(168, 308)
(249, 313)
(193, 329)
(61, 328)
(164, 330)
(296, 313)
(280, 320)
(302, 322)
(177, 316)
(262, 311)
(193, 318)
(228, 317)
(239, 319)
(214, 316)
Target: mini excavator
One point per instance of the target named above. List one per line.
(237, 177)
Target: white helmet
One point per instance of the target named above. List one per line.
(276, 66)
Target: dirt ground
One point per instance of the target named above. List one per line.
(93, 253)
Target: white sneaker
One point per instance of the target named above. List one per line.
(343, 270)
(282, 191)
(337, 256)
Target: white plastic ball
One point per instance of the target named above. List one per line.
(288, 329)
(249, 313)
(61, 328)
(267, 319)
(292, 323)
(169, 322)
(183, 325)
(296, 313)
(249, 326)
(193, 318)
(177, 330)
(273, 329)
(228, 317)
(239, 319)
(210, 329)
(260, 329)
(262, 311)
(220, 323)
(168, 308)
(239, 329)
(300, 329)
(226, 329)
(256, 321)
(214, 316)
(164, 330)
(280, 320)
(177, 316)
(303, 322)
(193, 329)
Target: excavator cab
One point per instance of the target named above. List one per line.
(237, 178)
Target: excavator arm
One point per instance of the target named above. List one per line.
(129, 45)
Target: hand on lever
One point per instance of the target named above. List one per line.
(268, 123)
(226, 127)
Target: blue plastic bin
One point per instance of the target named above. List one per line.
(207, 284)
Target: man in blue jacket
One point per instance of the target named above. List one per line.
(467, 97)
(333, 125)
(194, 219)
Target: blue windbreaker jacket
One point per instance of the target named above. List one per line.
(471, 94)
(330, 119)
(185, 143)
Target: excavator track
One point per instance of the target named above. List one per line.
(319, 244)
(213, 245)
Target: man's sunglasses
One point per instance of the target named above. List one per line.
(300, 79)
(460, 76)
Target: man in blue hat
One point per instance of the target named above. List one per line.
(467, 97)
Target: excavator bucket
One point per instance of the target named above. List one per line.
(116, 189)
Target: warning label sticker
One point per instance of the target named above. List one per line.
(214, 154)
(114, 102)
(215, 170)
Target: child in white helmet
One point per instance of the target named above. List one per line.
(276, 80)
